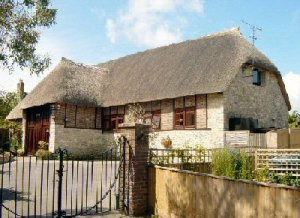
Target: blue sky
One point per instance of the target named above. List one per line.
(93, 31)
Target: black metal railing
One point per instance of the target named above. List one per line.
(59, 186)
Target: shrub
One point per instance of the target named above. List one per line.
(247, 166)
(43, 145)
(232, 164)
(15, 143)
(20, 152)
(262, 175)
(5, 157)
(224, 163)
(43, 154)
(288, 179)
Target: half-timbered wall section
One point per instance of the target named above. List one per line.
(187, 120)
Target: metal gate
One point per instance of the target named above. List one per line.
(61, 186)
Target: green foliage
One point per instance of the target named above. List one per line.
(21, 152)
(8, 100)
(20, 25)
(43, 145)
(263, 175)
(247, 166)
(232, 164)
(294, 120)
(15, 143)
(288, 179)
(43, 154)
(224, 163)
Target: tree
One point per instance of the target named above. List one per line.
(294, 120)
(8, 100)
(20, 25)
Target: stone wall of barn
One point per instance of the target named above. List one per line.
(265, 103)
(80, 140)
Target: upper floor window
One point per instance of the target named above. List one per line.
(184, 112)
(257, 77)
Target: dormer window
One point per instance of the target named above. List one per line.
(256, 77)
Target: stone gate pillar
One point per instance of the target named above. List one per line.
(135, 177)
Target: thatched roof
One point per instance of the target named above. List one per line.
(205, 65)
(70, 83)
(15, 113)
(201, 66)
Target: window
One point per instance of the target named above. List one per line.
(112, 117)
(153, 118)
(256, 77)
(184, 112)
(152, 114)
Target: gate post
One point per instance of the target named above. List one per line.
(134, 198)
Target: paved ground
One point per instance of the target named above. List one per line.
(31, 187)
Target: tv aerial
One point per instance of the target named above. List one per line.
(254, 31)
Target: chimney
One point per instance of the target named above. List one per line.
(20, 90)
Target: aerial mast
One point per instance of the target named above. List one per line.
(254, 30)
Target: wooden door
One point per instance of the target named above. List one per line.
(38, 123)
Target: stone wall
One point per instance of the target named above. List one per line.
(265, 102)
(81, 141)
(78, 140)
(180, 138)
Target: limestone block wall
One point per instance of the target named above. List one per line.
(77, 140)
(181, 138)
(265, 102)
(82, 141)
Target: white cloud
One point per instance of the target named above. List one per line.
(151, 23)
(111, 30)
(292, 84)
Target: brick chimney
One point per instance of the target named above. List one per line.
(20, 90)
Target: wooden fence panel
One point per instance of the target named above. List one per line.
(258, 140)
(280, 161)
